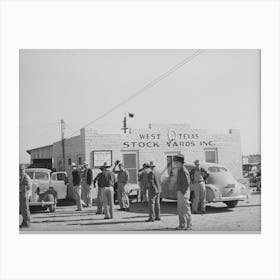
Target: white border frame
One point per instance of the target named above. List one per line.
(143, 24)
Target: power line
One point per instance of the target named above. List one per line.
(146, 87)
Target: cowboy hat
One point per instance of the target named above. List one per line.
(179, 158)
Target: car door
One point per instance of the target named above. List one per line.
(59, 183)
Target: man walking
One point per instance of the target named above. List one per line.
(122, 180)
(106, 181)
(183, 193)
(24, 189)
(77, 180)
(198, 178)
(143, 181)
(154, 190)
(87, 183)
(99, 197)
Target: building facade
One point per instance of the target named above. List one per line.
(157, 143)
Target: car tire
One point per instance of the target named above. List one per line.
(52, 207)
(231, 204)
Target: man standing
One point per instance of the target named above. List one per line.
(99, 197)
(24, 188)
(143, 181)
(106, 181)
(87, 182)
(154, 190)
(183, 193)
(198, 178)
(77, 180)
(122, 186)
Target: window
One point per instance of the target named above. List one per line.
(69, 161)
(130, 164)
(170, 165)
(211, 155)
(58, 177)
(30, 174)
(214, 169)
(41, 176)
(80, 160)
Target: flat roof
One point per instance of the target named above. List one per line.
(42, 147)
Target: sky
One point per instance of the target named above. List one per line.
(217, 90)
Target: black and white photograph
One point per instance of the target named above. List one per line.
(140, 140)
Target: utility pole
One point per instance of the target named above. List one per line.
(62, 142)
(124, 124)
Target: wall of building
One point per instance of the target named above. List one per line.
(74, 149)
(158, 141)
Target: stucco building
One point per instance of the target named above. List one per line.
(157, 142)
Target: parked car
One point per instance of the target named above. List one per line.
(252, 171)
(47, 187)
(221, 186)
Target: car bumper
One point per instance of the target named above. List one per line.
(229, 198)
(41, 203)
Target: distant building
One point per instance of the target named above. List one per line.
(158, 143)
(251, 159)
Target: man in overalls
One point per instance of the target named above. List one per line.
(198, 178)
(24, 188)
(122, 180)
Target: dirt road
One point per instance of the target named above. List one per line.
(245, 217)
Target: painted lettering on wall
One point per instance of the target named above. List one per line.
(178, 140)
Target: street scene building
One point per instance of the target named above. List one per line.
(140, 140)
(158, 142)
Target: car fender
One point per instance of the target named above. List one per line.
(211, 192)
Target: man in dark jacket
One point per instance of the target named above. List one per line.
(183, 193)
(77, 181)
(87, 184)
(154, 190)
(143, 181)
(198, 178)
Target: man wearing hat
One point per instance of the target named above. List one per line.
(143, 181)
(24, 187)
(183, 193)
(154, 190)
(87, 185)
(106, 182)
(198, 177)
(122, 180)
(77, 181)
(99, 198)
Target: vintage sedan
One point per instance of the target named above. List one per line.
(47, 187)
(221, 186)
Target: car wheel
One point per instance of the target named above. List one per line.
(231, 204)
(51, 198)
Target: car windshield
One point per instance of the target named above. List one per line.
(41, 176)
(214, 169)
(30, 174)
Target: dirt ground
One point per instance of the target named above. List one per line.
(245, 217)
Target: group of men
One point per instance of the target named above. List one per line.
(150, 183)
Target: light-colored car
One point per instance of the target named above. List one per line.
(47, 187)
(221, 186)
